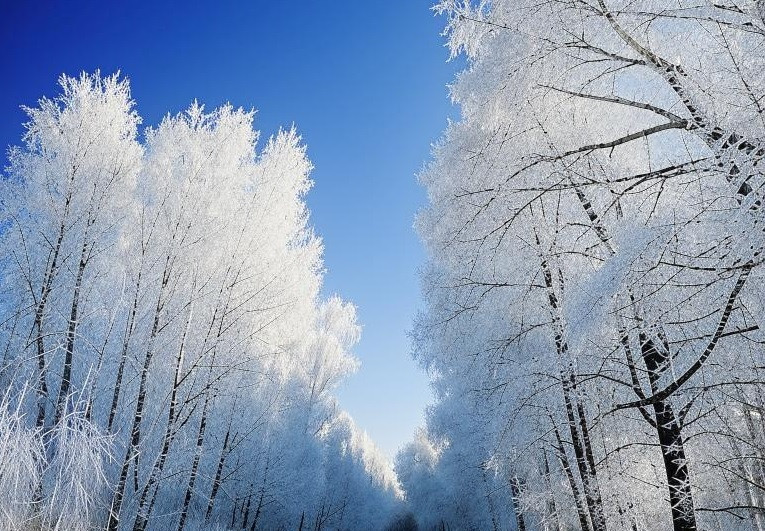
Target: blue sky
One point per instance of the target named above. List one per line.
(365, 83)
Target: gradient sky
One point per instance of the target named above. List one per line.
(365, 83)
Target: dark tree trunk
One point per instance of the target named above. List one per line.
(590, 459)
(589, 480)
(258, 510)
(670, 438)
(37, 327)
(587, 474)
(66, 377)
(194, 465)
(123, 356)
(581, 511)
(515, 490)
(131, 453)
(246, 510)
(218, 473)
(142, 518)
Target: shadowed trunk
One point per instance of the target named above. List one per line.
(671, 441)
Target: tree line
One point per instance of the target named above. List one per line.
(167, 360)
(593, 289)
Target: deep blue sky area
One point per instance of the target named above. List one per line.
(365, 83)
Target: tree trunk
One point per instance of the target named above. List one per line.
(131, 454)
(142, 518)
(246, 509)
(66, 377)
(258, 510)
(218, 474)
(99, 368)
(129, 327)
(587, 445)
(195, 464)
(587, 475)
(671, 441)
(516, 492)
(584, 523)
(37, 327)
(263, 493)
(589, 480)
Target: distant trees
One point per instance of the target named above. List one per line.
(167, 362)
(593, 298)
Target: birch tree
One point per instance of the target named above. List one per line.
(594, 231)
(169, 361)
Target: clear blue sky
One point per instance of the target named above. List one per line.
(365, 83)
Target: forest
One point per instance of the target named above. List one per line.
(590, 303)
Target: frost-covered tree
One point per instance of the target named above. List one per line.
(594, 231)
(167, 359)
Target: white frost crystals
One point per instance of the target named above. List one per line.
(593, 297)
(165, 356)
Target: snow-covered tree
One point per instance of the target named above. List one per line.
(168, 361)
(594, 232)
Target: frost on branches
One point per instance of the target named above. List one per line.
(165, 358)
(595, 230)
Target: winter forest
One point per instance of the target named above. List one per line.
(589, 310)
